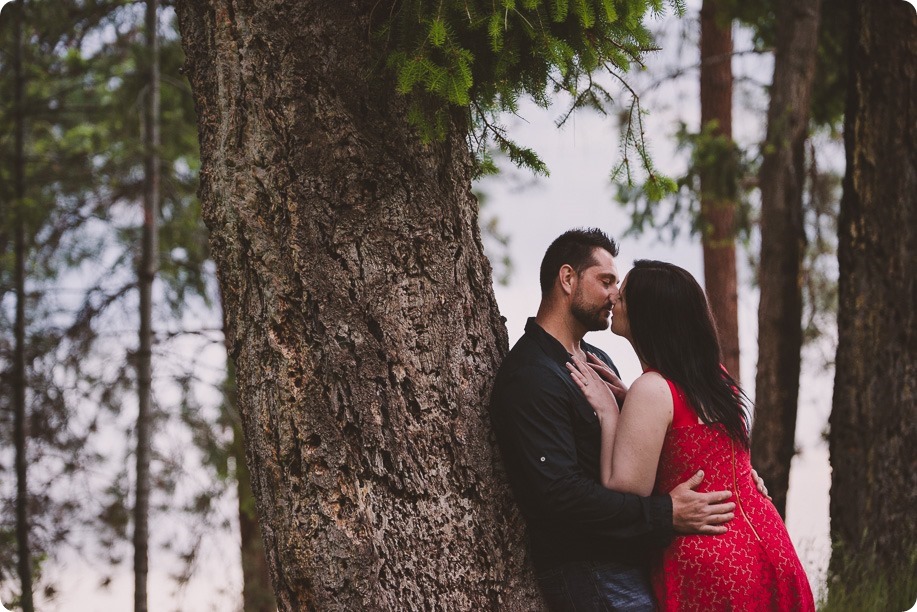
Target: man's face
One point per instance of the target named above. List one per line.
(596, 292)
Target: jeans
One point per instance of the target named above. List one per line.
(596, 586)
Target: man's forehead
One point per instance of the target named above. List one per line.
(604, 261)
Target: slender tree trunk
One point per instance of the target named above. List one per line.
(783, 241)
(718, 210)
(19, 379)
(874, 417)
(149, 258)
(257, 594)
(360, 315)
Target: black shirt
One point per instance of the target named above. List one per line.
(550, 440)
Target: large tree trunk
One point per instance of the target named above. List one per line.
(874, 418)
(18, 377)
(146, 273)
(359, 313)
(718, 210)
(783, 240)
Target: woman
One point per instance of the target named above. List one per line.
(683, 414)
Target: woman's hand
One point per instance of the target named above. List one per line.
(618, 388)
(599, 393)
(759, 484)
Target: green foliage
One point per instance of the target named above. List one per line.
(729, 175)
(482, 56)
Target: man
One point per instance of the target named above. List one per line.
(590, 545)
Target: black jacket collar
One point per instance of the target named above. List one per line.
(546, 342)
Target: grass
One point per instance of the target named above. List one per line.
(872, 588)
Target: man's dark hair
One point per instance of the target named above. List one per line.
(574, 248)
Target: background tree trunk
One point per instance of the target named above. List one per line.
(18, 378)
(718, 211)
(873, 422)
(257, 594)
(146, 273)
(359, 312)
(783, 239)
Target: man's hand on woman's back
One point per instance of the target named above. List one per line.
(700, 513)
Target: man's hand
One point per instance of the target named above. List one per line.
(618, 388)
(703, 513)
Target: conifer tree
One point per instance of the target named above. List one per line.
(359, 305)
(873, 483)
(717, 204)
(783, 241)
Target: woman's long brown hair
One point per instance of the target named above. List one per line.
(673, 331)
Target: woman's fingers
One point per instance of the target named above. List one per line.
(601, 394)
(578, 377)
(584, 368)
(606, 374)
(584, 377)
(603, 370)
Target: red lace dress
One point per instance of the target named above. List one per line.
(752, 567)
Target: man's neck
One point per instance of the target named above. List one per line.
(564, 329)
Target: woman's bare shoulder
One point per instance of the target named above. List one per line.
(651, 389)
(650, 382)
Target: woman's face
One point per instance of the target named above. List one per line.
(619, 323)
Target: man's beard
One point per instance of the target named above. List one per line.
(590, 318)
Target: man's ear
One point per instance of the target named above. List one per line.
(567, 277)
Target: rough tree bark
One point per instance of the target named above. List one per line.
(874, 416)
(146, 274)
(18, 375)
(718, 211)
(359, 313)
(783, 239)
